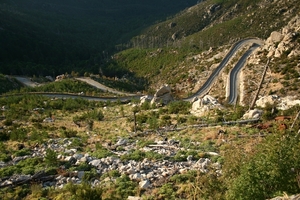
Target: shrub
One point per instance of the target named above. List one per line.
(68, 133)
(153, 155)
(19, 134)
(51, 158)
(167, 191)
(8, 171)
(183, 178)
(38, 136)
(136, 155)
(153, 122)
(81, 192)
(95, 115)
(146, 105)
(182, 155)
(8, 122)
(125, 187)
(22, 152)
(4, 136)
(101, 152)
(89, 175)
(269, 171)
(114, 173)
(179, 107)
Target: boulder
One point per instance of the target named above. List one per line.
(163, 95)
(134, 198)
(274, 37)
(288, 102)
(145, 98)
(253, 114)
(263, 101)
(121, 142)
(95, 163)
(144, 184)
(70, 159)
(203, 105)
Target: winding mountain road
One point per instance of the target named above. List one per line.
(202, 90)
(233, 75)
(206, 86)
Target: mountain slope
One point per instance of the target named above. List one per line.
(182, 51)
(46, 37)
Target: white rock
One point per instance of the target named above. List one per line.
(263, 101)
(205, 104)
(274, 37)
(131, 171)
(95, 163)
(253, 114)
(121, 142)
(136, 176)
(144, 184)
(134, 198)
(163, 95)
(145, 98)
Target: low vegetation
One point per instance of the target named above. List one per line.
(257, 160)
(246, 158)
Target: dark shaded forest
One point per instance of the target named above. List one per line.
(43, 37)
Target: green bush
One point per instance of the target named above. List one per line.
(89, 175)
(182, 155)
(179, 107)
(153, 122)
(167, 191)
(38, 136)
(153, 155)
(136, 155)
(82, 191)
(9, 171)
(22, 152)
(101, 152)
(8, 122)
(146, 105)
(125, 187)
(4, 153)
(270, 171)
(114, 173)
(4, 136)
(184, 178)
(51, 158)
(19, 134)
(68, 133)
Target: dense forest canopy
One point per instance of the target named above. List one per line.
(43, 37)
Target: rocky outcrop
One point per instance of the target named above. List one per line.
(203, 105)
(281, 42)
(163, 95)
(265, 100)
(281, 103)
(253, 114)
(288, 102)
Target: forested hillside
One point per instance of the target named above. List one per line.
(50, 37)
